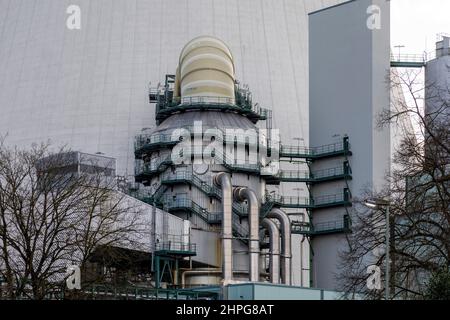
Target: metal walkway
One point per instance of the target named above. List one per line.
(408, 61)
(322, 228)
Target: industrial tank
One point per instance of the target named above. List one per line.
(198, 164)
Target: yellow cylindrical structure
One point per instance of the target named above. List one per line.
(206, 71)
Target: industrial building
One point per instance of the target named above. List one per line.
(236, 216)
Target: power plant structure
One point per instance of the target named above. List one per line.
(242, 199)
(209, 163)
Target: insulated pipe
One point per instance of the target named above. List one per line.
(223, 181)
(285, 226)
(274, 257)
(241, 194)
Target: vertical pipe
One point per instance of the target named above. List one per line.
(223, 181)
(241, 194)
(285, 225)
(274, 258)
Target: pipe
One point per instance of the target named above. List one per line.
(274, 257)
(206, 271)
(285, 226)
(223, 181)
(199, 272)
(241, 194)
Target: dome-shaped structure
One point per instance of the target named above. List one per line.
(210, 119)
(206, 69)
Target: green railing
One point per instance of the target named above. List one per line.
(151, 142)
(166, 106)
(152, 168)
(190, 248)
(304, 202)
(170, 204)
(329, 150)
(145, 293)
(300, 228)
(408, 60)
(222, 159)
(336, 226)
(322, 228)
(208, 189)
(150, 198)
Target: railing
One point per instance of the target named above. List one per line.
(329, 148)
(152, 167)
(304, 202)
(207, 188)
(240, 231)
(300, 227)
(288, 200)
(145, 140)
(333, 226)
(286, 149)
(420, 58)
(328, 173)
(205, 100)
(145, 293)
(170, 204)
(175, 246)
(311, 152)
(329, 199)
(408, 60)
(221, 158)
(240, 104)
(293, 174)
(328, 226)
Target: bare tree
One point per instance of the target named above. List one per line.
(52, 216)
(418, 188)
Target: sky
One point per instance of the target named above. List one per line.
(415, 24)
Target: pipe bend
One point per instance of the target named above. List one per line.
(223, 181)
(285, 226)
(241, 194)
(274, 257)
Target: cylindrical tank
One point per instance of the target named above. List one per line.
(205, 71)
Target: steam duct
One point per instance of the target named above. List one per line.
(223, 181)
(285, 226)
(241, 194)
(274, 257)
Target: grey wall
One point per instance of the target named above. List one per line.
(88, 88)
(348, 67)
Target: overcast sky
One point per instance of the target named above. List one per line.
(415, 23)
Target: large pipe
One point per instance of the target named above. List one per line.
(274, 257)
(241, 194)
(285, 226)
(223, 181)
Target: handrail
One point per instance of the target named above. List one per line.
(408, 58)
(151, 167)
(286, 150)
(175, 246)
(204, 186)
